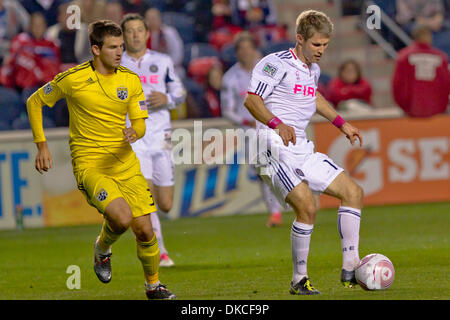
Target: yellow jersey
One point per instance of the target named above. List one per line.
(98, 105)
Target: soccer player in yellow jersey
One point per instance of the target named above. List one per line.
(99, 94)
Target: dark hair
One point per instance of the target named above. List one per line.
(98, 30)
(355, 64)
(242, 37)
(130, 17)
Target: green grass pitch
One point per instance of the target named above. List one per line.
(236, 257)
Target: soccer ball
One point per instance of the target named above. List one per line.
(375, 272)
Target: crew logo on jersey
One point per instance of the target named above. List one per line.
(122, 93)
(101, 195)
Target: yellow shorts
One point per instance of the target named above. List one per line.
(100, 188)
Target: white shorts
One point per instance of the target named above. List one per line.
(157, 165)
(287, 169)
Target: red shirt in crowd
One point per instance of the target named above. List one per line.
(339, 91)
(31, 63)
(421, 83)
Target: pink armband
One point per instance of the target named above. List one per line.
(273, 123)
(338, 121)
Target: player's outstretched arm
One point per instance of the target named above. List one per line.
(324, 109)
(259, 111)
(43, 160)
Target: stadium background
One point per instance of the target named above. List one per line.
(405, 161)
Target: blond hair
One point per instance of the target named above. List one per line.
(311, 21)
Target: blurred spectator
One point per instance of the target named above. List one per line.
(267, 36)
(252, 13)
(165, 38)
(223, 31)
(221, 12)
(135, 6)
(351, 7)
(13, 19)
(203, 99)
(421, 82)
(202, 11)
(11, 107)
(198, 68)
(92, 10)
(114, 11)
(349, 84)
(423, 12)
(73, 43)
(178, 5)
(212, 95)
(32, 60)
(49, 8)
(430, 13)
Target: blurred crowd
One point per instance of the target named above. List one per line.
(38, 40)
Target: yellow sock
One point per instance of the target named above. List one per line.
(107, 235)
(148, 253)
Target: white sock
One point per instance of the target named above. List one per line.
(151, 286)
(300, 239)
(348, 225)
(99, 250)
(158, 232)
(271, 201)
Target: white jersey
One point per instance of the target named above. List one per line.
(288, 87)
(156, 71)
(232, 95)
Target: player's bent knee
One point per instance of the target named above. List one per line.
(144, 234)
(354, 195)
(142, 228)
(123, 222)
(309, 210)
(359, 193)
(119, 215)
(306, 212)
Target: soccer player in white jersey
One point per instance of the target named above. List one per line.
(164, 91)
(283, 96)
(232, 94)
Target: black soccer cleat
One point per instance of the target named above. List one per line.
(303, 287)
(348, 279)
(159, 293)
(102, 267)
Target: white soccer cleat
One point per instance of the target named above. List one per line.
(165, 261)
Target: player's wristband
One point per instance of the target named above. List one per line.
(274, 122)
(338, 121)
